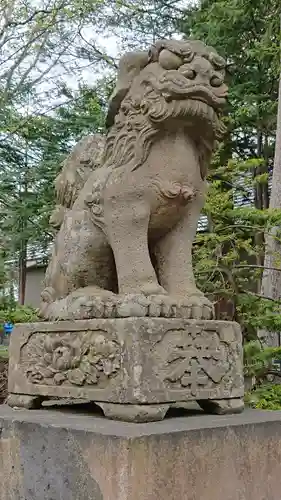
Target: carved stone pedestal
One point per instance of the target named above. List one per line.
(133, 368)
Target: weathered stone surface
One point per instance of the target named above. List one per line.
(58, 455)
(83, 160)
(127, 218)
(133, 361)
(127, 213)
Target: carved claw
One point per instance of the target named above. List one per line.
(164, 305)
(109, 310)
(132, 306)
(87, 305)
(196, 306)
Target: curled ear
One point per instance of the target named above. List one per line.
(130, 66)
(156, 48)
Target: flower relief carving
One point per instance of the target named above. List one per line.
(79, 358)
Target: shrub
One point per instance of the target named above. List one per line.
(259, 360)
(265, 397)
(259, 365)
(18, 314)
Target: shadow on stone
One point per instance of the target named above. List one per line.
(55, 464)
(87, 407)
(90, 408)
(183, 412)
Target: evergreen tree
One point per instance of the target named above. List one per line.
(231, 255)
(28, 169)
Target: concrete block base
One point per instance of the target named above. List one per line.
(62, 455)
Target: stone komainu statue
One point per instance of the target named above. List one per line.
(129, 204)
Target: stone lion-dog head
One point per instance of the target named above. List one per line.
(174, 84)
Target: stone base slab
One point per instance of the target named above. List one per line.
(142, 364)
(61, 455)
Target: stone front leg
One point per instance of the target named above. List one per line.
(173, 255)
(127, 218)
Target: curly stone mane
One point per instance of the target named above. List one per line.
(139, 123)
(130, 139)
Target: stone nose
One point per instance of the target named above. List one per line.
(202, 72)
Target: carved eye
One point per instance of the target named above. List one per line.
(169, 60)
(216, 81)
(217, 61)
(188, 56)
(190, 74)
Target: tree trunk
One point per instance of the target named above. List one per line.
(271, 281)
(22, 273)
(23, 228)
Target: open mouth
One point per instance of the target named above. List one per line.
(175, 87)
(203, 94)
(205, 97)
(179, 88)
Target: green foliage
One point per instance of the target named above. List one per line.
(4, 353)
(2, 274)
(259, 365)
(30, 164)
(265, 397)
(19, 314)
(10, 311)
(228, 254)
(258, 360)
(138, 23)
(246, 32)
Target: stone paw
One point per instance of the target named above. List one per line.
(162, 306)
(91, 303)
(110, 306)
(195, 306)
(125, 306)
(156, 306)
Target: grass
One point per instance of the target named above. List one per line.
(4, 352)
